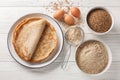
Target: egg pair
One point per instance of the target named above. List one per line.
(67, 18)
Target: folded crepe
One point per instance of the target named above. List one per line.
(34, 39)
(27, 36)
(46, 44)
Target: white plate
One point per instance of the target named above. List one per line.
(55, 53)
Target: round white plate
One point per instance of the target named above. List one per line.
(55, 53)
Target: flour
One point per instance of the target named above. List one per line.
(92, 57)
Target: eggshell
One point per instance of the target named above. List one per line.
(59, 14)
(68, 19)
(75, 12)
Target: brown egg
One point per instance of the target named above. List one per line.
(59, 14)
(68, 19)
(75, 12)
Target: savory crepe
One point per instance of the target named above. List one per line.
(32, 39)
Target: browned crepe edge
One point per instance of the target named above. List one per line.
(16, 32)
(56, 41)
(36, 61)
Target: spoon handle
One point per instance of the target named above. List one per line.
(67, 56)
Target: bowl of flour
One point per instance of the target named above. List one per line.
(93, 57)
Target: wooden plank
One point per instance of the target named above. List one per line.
(111, 39)
(7, 20)
(34, 3)
(53, 71)
(11, 10)
(52, 68)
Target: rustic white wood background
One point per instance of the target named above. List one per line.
(11, 10)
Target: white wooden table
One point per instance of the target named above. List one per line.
(11, 10)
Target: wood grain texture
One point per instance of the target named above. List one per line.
(112, 40)
(15, 13)
(12, 10)
(36, 3)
